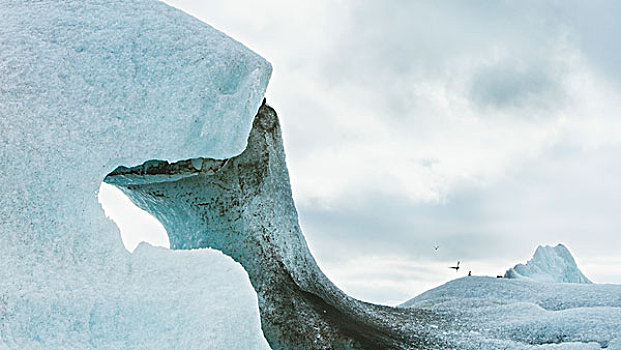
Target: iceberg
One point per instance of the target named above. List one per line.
(500, 313)
(168, 109)
(86, 86)
(550, 305)
(243, 207)
(549, 264)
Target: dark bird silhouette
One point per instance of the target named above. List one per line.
(435, 247)
(456, 267)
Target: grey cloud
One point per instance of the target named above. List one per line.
(383, 225)
(508, 56)
(506, 86)
(391, 50)
(567, 195)
(595, 29)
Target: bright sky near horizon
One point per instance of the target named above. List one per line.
(487, 128)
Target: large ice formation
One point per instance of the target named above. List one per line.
(549, 264)
(161, 105)
(243, 207)
(533, 310)
(501, 313)
(84, 87)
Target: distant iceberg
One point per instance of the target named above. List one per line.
(549, 264)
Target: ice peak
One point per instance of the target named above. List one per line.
(549, 264)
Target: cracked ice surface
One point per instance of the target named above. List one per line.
(86, 86)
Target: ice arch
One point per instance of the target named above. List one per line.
(84, 87)
(243, 207)
(135, 225)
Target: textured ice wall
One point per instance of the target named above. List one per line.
(549, 264)
(84, 87)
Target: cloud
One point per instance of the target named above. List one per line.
(489, 126)
(507, 86)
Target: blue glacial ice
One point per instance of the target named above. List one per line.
(549, 264)
(551, 305)
(86, 86)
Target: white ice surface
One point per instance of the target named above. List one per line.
(86, 86)
(519, 313)
(531, 311)
(549, 304)
(549, 264)
(168, 300)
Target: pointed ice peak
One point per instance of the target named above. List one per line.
(549, 264)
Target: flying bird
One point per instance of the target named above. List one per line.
(435, 247)
(455, 267)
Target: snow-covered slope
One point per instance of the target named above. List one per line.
(500, 313)
(86, 86)
(548, 303)
(549, 264)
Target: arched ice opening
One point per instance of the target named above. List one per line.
(135, 224)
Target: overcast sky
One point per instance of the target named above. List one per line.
(485, 127)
